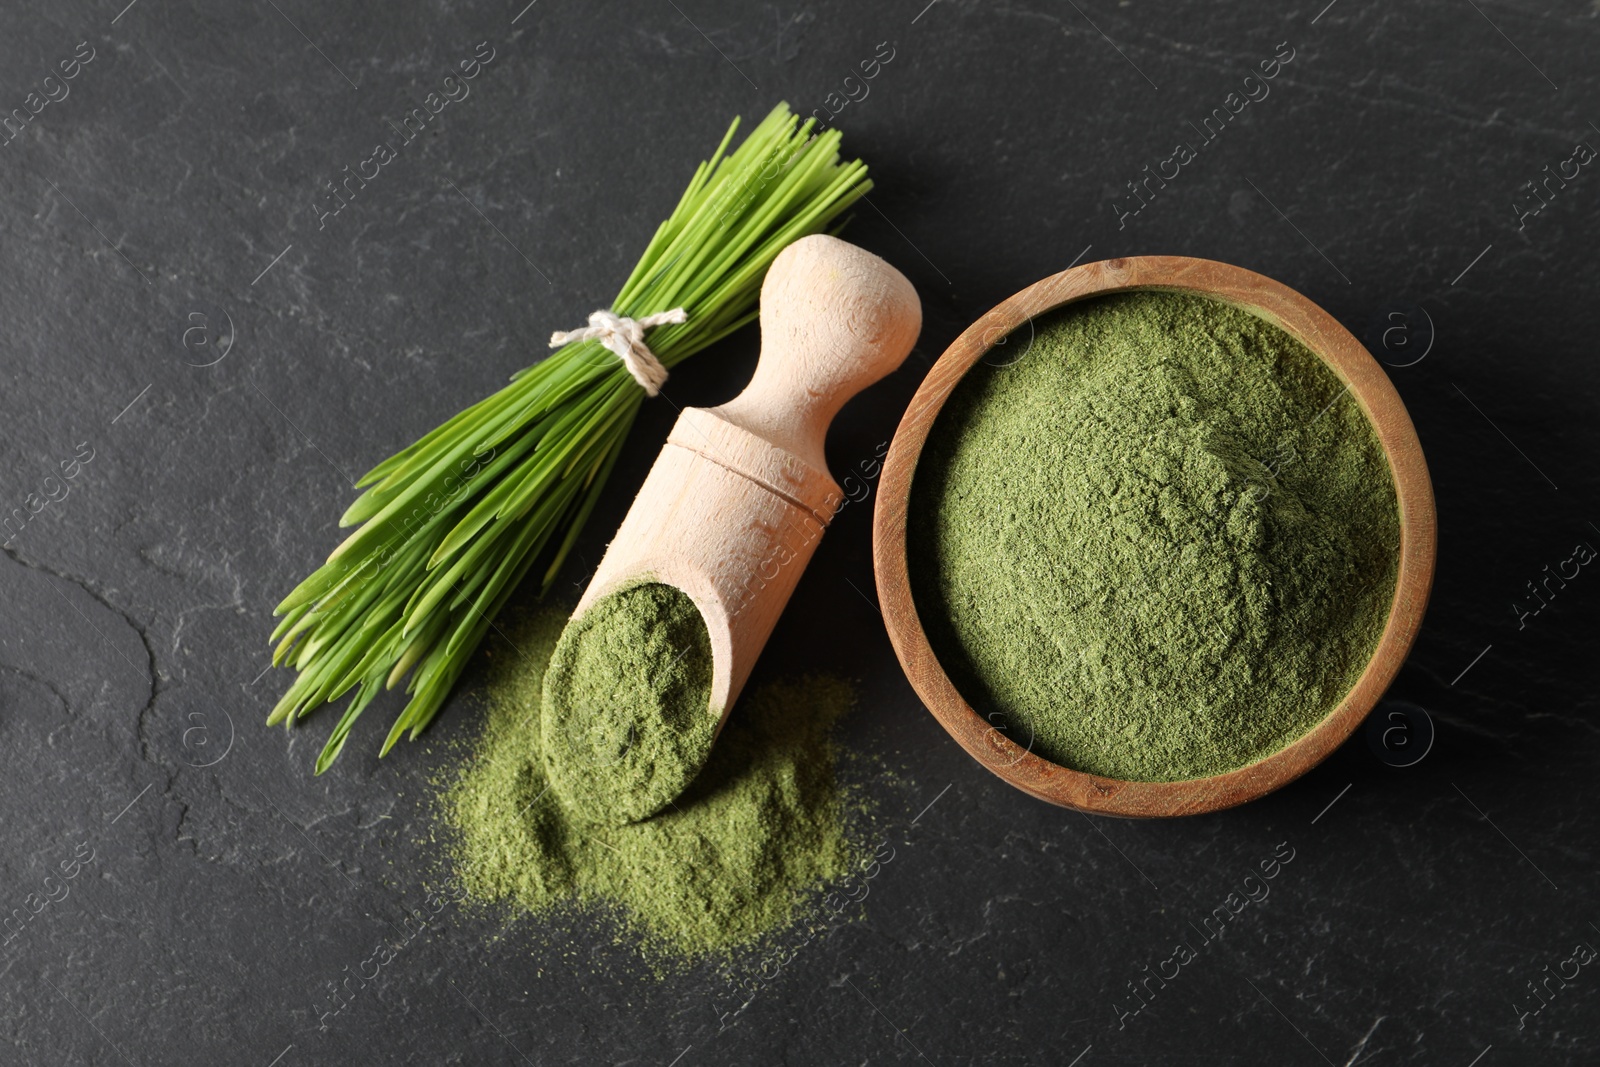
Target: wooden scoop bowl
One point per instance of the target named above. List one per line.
(1370, 387)
(740, 495)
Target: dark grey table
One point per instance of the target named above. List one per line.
(212, 354)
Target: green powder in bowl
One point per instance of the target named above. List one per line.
(1158, 545)
(627, 719)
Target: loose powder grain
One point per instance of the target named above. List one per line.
(1159, 544)
(740, 855)
(627, 720)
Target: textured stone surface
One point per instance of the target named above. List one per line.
(218, 890)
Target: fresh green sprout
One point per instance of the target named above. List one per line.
(448, 527)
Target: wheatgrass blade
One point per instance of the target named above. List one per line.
(447, 527)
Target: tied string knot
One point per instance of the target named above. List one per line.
(625, 337)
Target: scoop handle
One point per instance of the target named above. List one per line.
(834, 319)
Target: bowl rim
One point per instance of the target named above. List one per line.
(1380, 403)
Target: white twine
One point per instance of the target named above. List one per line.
(625, 337)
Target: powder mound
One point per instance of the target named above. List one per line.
(1163, 541)
(740, 855)
(627, 720)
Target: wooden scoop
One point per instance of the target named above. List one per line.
(740, 495)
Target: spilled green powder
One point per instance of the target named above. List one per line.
(1161, 542)
(627, 720)
(741, 854)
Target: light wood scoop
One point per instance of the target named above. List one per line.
(740, 494)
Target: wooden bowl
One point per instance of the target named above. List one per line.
(1318, 331)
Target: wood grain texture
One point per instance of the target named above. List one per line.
(740, 496)
(1372, 390)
